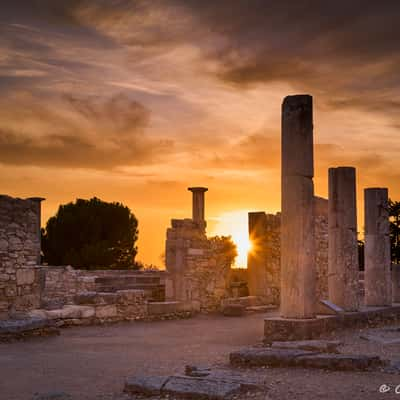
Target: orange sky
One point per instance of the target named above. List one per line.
(134, 101)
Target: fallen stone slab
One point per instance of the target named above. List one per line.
(341, 362)
(200, 388)
(380, 340)
(197, 371)
(324, 346)
(213, 387)
(268, 357)
(22, 328)
(233, 310)
(258, 357)
(145, 385)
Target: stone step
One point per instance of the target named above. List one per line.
(187, 387)
(269, 357)
(246, 301)
(165, 307)
(324, 346)
(30, 326)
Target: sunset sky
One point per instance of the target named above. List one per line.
(134, 101)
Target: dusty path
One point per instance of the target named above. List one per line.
(90, 361)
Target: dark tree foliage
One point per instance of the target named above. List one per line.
(361, 261)
(394, 216)
(91, 234)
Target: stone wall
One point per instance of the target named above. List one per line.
(63, 283)
(20, 274)
(264, 259)
(198, 266)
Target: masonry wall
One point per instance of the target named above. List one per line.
(264, 259)
(198, 266)
(20, 274)
(64, 284)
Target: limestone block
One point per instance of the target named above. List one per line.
(107, 311)
(25, 276)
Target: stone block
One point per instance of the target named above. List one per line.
(200, 388)
(107, 311)
(145, 385)
(233, 310)
(325, 346)
(341, 362)
(25, 276)
(258, 357)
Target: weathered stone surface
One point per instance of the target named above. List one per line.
(343, 267)
(258, 357)
(22, 325)
(19, 255)
(325, 346)
(146, 385)
(200, 388)
(166, 307)
(298, 278)
(107, 311)
(25, 276)
(377, 248)
(233, 310)
(331, 306)
(341, 362)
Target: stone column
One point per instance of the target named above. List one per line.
(377, 248)
(198, 204)
(298, 274)
(343, 269)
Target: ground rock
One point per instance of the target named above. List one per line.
(325, 346)
(146, 385)
(234, 310)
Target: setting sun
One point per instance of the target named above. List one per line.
(235, 224)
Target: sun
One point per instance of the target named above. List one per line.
(235, 224)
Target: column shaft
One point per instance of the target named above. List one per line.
(377, 248)
(298, 274)
(343, 270)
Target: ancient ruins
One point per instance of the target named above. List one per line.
(303, 274)
(304, 259)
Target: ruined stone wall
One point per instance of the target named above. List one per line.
(20, 276)
(198, 266)
(62, 284)
(264, 259)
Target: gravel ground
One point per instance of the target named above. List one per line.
(91, 363)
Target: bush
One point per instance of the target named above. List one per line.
(91, 234)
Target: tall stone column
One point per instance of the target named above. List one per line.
(377, 248)
(198, 204)
(343, 269)
(298, 274)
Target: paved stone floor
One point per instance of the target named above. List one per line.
(92, 362)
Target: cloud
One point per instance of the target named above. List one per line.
(77, 132)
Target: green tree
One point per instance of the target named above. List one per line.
(91, 234)
(394, 216)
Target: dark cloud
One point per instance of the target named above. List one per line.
(78, 133)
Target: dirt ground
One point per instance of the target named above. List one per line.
(92, 362)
